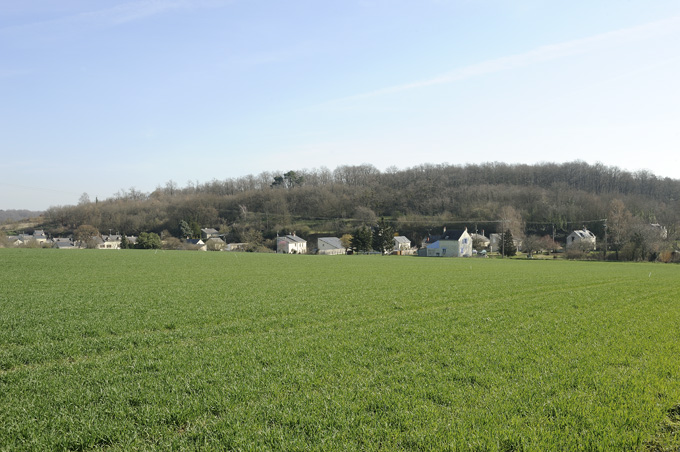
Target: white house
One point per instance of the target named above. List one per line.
(583, 239)
(291, 244)
(451, 244)
(330, 245)
(402, 244)
(198, 244)
(110, 242)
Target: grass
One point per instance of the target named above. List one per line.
(143, 350)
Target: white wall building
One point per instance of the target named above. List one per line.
(291, 244)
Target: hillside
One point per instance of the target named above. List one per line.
(17, 215)
(544, 198)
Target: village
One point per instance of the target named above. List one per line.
(449, 243)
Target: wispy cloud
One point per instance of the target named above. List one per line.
(541, 54)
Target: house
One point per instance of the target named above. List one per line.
(330, 245)
(63, 243)
(16, 240)
(197, 244)
(110, 242)
(583, 239)
(39, 236)
(236, 246)
(455, 243)
(291, 244)
(215, 244)
(402, 245)
(209, 233)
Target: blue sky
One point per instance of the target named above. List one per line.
(98, 96)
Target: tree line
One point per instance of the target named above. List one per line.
(546, 199)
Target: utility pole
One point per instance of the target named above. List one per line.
(503, 238)
(605, 239)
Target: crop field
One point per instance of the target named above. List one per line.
(143, 350)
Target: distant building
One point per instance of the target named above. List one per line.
(584, 239)
(209, 233)
(330, 245)
(454, 243)
(291, 244)
(110, 242)
(63, 243)
(215, 244)
(402, 244)
(197, 243)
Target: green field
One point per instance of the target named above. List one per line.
(144, 350)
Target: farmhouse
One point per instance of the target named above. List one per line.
(402, 245)
(109, 242)
(198, 244)
(291, 244)
(215, 244)
(330, 245)
(209, 233)
(456, 243)
(583, 239)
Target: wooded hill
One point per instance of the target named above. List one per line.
(546, 197)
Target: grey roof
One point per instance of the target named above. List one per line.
(209, 230)
(402, 239)
(333, 242)
(453, 234)
(293, 238)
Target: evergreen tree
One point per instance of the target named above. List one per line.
(124, 243)
(508, 247)
(361, 239)
(148, 241)
(383, 237)
(185, 229)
